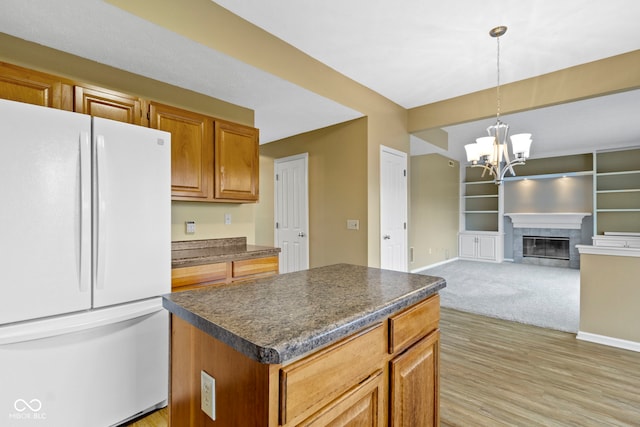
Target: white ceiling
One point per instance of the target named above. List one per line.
(413, 52)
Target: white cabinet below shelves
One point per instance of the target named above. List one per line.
(619, 240)
(480, 246)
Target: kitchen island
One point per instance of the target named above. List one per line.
(327, 345)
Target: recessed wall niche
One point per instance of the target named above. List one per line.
(553, 195)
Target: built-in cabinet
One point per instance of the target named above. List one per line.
(212, 160)
(480, 246)
(618, 240)
(185, 278)
(235, 162)
(33, 87)
(108, 104)
(191, 150)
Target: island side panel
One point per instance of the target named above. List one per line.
(241, 384)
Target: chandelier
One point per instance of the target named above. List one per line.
(492, 152)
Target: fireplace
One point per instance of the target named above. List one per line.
(545, 247)
(548, 239)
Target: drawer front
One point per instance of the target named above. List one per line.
(252, 267)
(414, 323)
(198, 274)
(309, 384)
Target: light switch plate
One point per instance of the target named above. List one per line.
(190, 227)
(353, 224)
(227, 218)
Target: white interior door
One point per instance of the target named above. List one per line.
(393, 209)
(292, 212)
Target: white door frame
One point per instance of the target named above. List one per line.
(304, 256)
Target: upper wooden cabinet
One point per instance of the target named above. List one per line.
(32, 87)
(211, 160)
(108, 104)
(236, 162)
(191, 150)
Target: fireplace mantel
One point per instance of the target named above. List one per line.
(565, 220)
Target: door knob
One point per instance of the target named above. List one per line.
(386, 237)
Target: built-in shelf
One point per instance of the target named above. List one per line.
(481, 196)
(480, 212)
(617, 191)
(549, 176)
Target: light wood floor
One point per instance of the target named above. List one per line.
(499, 373)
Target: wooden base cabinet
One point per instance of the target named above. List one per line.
(386, 374)
(414, 385)
(184, 278)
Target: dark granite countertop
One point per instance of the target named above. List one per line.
(277, 319)
(197, 252)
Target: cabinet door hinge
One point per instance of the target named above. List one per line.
(405, 225)
(277, 177)
(405, 173)
(277, 225)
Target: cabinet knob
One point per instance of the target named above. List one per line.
(301, 234)
(386, 237)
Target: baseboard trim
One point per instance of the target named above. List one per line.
(610, 341)
(447, 261)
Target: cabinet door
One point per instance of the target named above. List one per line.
(31, 87)
(414, 385)
(191, 150)
(107, 104)
(468, 245)
(362, 407)
(236, 162)
(487, 247)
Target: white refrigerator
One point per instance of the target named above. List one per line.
(85, 253)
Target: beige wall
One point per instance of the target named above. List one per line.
(214, 26)
(434, 212)
(609, 295)
(337, 191)
(610, 75)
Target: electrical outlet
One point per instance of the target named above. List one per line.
(353, 224)
(227, 218)
(208, 394)
(190, 227)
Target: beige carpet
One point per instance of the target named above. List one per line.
(536, 295)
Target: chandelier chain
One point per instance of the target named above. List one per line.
(498, 80)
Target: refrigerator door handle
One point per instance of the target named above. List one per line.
(101, 223)
(53, 327)
(84, 241)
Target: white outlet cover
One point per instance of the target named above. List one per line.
(208, 395)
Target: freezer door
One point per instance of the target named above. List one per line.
(45, 212)
(97, 368)
(132, 212)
